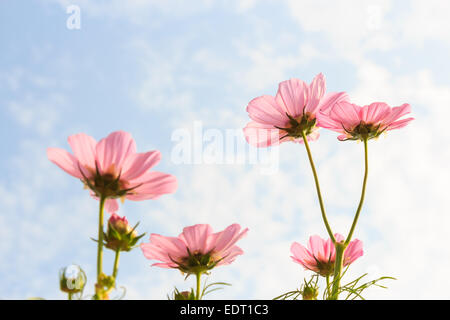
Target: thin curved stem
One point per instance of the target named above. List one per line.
(319, 194)
(100, 238)
(116, 264)
(328, 286)
(363, 192)
(340, 249)
(197, 294)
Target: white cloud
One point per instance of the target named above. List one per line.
(425, 21)
(352, 26)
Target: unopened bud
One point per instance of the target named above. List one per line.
(119, 235)
(72, 279)
(183, 295)
(310, 293)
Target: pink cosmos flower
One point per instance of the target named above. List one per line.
(197, 249)
(320, 254)
(113, 169)
(368, 122)
(293, 110)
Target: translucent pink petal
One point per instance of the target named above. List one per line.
(292, 96)
(316, 245)
(339, 237)
(164, 248)
(153, 252)
(152, 185)
(83, 147)
(353, 251)
(228, 237)
(113, 150)
(261, 135)
(347, 114)
(265, 110)
(164, 265)
(303, 256)
(300, 252)
(65, 161)
(399, 124)
(397, 113)
(230, 255)
(138, 164)
(111, 205)
(375, 112)
(325, 121)
(330, 99)
(329, 250)
(316, 92)
(196, 237)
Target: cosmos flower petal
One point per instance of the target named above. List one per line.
(330, 99)
(400, 123)
(138, 164)
(397, 113)
(261, 135)
(111, 205)
(227, 238)
(265, 110)
(65, 161)
(316, 92)
(196, 237)
(292, 96)
(83, 147)
(113, 150)
(345, 113)
(152, 185)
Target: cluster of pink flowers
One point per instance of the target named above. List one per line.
(295, 114)
(112, 169)
(301, 108)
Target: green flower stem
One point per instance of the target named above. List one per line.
(340, 248)
(363, 192)
(100, 238)
(319, 195)
(197, 294)
(328, 285)
(116, 264)
(69, 294)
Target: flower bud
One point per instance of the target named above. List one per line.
(310, 293)
(72, 279)
(183, 295)
(119, 235)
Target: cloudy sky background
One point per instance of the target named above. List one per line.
(155, 67)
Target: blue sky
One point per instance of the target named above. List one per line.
(154, 67)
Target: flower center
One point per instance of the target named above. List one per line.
(296, 126)
(364, 131)
(107, 185)
(197, 262)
